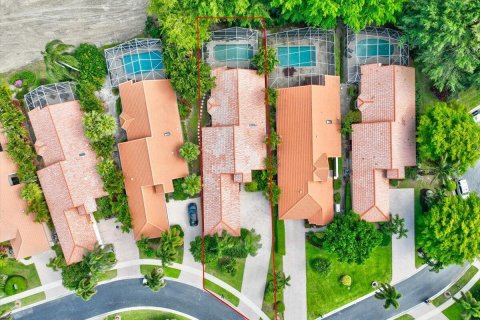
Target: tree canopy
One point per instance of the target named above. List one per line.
(451, 233)
(352, 240)
(448, 137)
(446, 37)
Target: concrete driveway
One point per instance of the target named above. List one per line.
(46, 274)
(473, 178)
(177, 214)
(403, 250)
(124, 244)
(255, 214)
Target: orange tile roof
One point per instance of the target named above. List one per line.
(69, 180)
(307, 143)
(384, 143)
(27, 237)
(233, 146)
(150, 159)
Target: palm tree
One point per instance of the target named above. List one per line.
(167, 254)
(86, 288)
(172, 238)
(281, 281)
(191, 185)
(100, 259)
(389, 294)
(58, 61)
(189, 151)
(155, 279)
(470, 305)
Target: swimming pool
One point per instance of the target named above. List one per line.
(233, 52)
(374, 47)
(298, 56)
(143, 62)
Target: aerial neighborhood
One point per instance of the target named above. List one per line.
(269, 159)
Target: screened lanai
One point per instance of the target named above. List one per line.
(373, 45)
(50, 94)
(137, 59)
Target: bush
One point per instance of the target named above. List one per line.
(92, 65)
(316, 238)
(280, 307)
(118, 106)
(151, 27)
(178, 193)
(337, 197)
(272, 97)
(411, 173)
(227, 265)
(337, 184)
(29, 78)
(85, 92)
(15, 284)
(98, 125)
(346, 280)
(321, 265)
(386, 240)
(350, 118)
(394, 182)
(179, 228)
(189, 151)
(451, 185)
(104, 147)
(191, 185)
(258, 60)
(353, 91)
(104, 208)
(184, 110)
(251, 186)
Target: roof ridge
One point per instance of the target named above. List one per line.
(56, 131)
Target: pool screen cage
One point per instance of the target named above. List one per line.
(399, 56)
(315, 46)
(143, 49)
(50, 94)
(232, 47)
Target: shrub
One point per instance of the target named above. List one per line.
(29, 78)
(353, 91)
(192, 185)
(258, 60)
(15, 284)
(92, 64)
(111, 176)
(179, 228)
(178, 193)
(272, 97)
(98, 125)
(118, 106)
(451, 185)
(394, 182)
(189, 151)
(337, 184)
(184, 110)
(251, 186)
(346, 280)
(85, 92)
(280, 307)
(321, 265)
(227, 265)
(151, 28)
(411, 173)
(337, 197)
(386, 240)
(104, 208)
(350, 118)
(104, 147)
(316, 238)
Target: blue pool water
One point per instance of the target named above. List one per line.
(374, 47)
(143, 62)
(233, 52)
(299, 56)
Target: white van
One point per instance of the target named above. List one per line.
(462, 188)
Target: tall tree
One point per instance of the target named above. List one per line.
(448, 138)
(389, 294)
(86, 288)
(470, 306)
(446, 37)
(352, 240)
(155, 279)
(58, 61)
(451, 233)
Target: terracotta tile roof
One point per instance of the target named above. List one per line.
(384, 143)
(69, 180)
(150, 159)
(233, 146)
(27, 237)
(308, 140)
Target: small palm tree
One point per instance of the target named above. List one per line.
(155, 279)
(58, 61)
(470, 305)
(191, 185)
(172, 238)
(86, 288)
(389, 294)
(167, 254)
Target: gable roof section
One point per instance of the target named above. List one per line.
(307, 143)
(233, 146)
(384, 143)
(150, 159)
(27, 237)
(70, 182)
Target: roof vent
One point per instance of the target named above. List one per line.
(81, 154)
(167, 134)
(328, 121)
(13, 179)
(252, 125)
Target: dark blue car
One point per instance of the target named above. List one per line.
(192, 214)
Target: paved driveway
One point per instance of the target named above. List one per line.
(294, 265)
(473, 178)
(403, 250)
(46, 274)
(123, 243)
(130, 293)
(255, 214)
(177, 214)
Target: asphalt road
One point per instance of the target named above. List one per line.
(130, 293)
(414, 290)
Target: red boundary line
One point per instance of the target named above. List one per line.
(270, 178)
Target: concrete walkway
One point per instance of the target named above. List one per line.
(178, 214)
(255, 214)
(46, 274)
(295, 266)
(403, 250)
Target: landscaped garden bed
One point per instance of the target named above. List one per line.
(146, 315)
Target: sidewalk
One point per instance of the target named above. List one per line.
(46, 274)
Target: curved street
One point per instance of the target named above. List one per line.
(130, 293)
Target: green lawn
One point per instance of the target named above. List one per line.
(348, 197)
(169, 271)
(235, 281)
(454, 311)
(425, 98)
(457, 286)
(26, 301)
(325, 293)
(470, 97)
(220, 291)
(29, 272)
(110, 274)
(405, 317)
(147, 315)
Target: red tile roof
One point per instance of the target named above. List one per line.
(233, 146)
(384, 143)
(69, 180)
(307, 143)
(150, 159)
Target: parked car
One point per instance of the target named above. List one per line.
(462, 188)
(192, 214)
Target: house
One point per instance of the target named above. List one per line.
(69, 178)
(308, 121)
(233, 146)
(383, 144)
(150, 158)
(26, 236)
